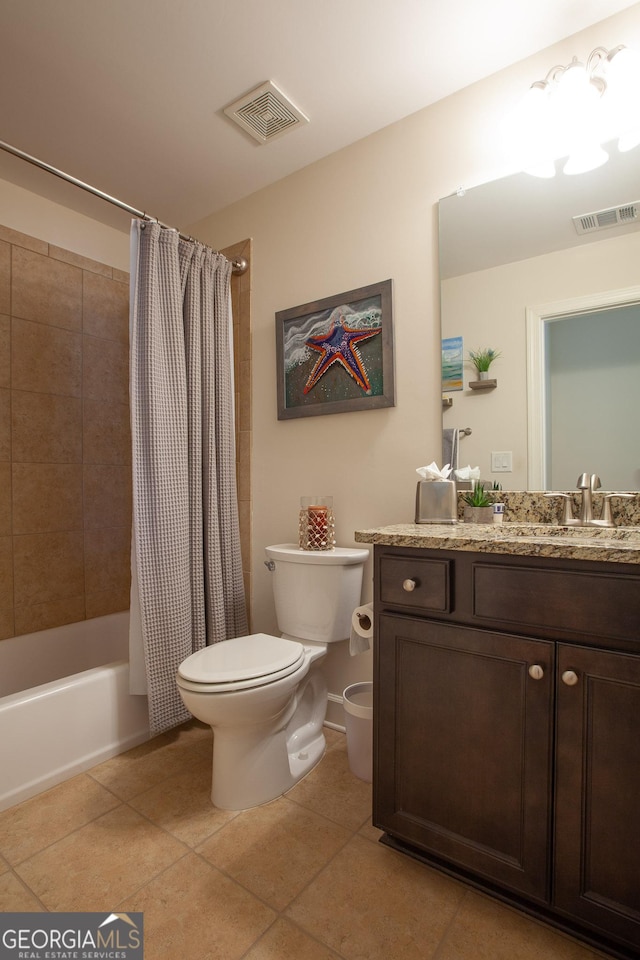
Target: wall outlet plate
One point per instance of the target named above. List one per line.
(501, 461)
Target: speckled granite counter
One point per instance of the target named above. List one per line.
(617, 545)
(534, 506)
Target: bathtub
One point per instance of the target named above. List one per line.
(65, 704)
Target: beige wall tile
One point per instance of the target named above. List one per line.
(48, 566)
(47, 497)
(105, 308)
(5, 424)
(46, 428)
(107, 559)
(5, 351)
(45, 359)
(5, 278)
(105, 370)
(108, 601)
(106, 432)
(49, 374)
(107, 496)
(45, 290)
(85, 263)
(23, 240)
(5, 499)
(54, 613)
(6, 588)
(244, 405)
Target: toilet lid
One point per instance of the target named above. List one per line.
(243, 659)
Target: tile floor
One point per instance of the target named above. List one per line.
(301, 878)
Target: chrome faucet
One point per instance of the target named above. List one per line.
(588, 484)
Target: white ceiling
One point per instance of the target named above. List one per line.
(127, 95)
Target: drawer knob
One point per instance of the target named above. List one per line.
(570, 677)
(409, 585)
(536, 672)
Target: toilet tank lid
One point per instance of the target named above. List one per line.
(291, 553)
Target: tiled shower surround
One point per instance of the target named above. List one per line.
(65, 449)
(65, 446)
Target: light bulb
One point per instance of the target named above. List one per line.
(585, 157)
(629, 140)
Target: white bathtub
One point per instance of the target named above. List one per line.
(65, 704)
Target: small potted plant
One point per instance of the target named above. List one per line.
(478, 505)
(482, 360)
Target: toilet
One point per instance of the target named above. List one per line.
(265, 697)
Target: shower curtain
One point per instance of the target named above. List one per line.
(186, 564)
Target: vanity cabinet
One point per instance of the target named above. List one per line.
(507, 729)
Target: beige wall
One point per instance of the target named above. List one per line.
(34, 215)
(367, 213)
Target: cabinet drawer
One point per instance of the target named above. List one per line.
(416, 583)
(597, 605)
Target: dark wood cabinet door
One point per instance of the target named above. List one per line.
(597, 828)
(463, 738)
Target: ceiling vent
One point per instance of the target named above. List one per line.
(603, 219)
(265, 113)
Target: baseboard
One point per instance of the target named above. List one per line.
(335, 713)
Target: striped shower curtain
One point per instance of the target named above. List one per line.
(186, 564)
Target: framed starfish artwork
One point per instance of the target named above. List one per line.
(336, 355)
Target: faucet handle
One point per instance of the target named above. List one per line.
(607, 518)
(567, 512)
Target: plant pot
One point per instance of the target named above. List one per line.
(478, 514)
(483, 374)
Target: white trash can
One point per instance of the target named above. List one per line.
(358, 710)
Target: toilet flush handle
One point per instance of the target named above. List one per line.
(270, 565)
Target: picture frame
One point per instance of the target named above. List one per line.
(335, 355)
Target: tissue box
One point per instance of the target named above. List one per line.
(436, 502)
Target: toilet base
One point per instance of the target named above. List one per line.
(260, 771)
(255, 762)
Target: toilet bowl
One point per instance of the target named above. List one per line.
(265, 696)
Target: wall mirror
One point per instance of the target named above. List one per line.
(517, 257)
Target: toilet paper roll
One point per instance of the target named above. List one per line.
(361, 629)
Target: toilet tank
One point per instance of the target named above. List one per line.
(316, 591)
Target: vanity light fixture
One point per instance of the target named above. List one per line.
(577, 108)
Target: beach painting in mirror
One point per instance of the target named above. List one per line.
(452, 361)
(336, 355)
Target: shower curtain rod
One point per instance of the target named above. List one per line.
(239, 264)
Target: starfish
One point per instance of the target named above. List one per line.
(340, 346)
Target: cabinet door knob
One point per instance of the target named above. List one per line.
(570, 677)
(409, 585)
(536, 672)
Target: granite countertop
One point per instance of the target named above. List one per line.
(604, 544)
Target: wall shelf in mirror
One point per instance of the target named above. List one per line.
(483, 384)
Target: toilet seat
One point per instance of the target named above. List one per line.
(240, 663)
